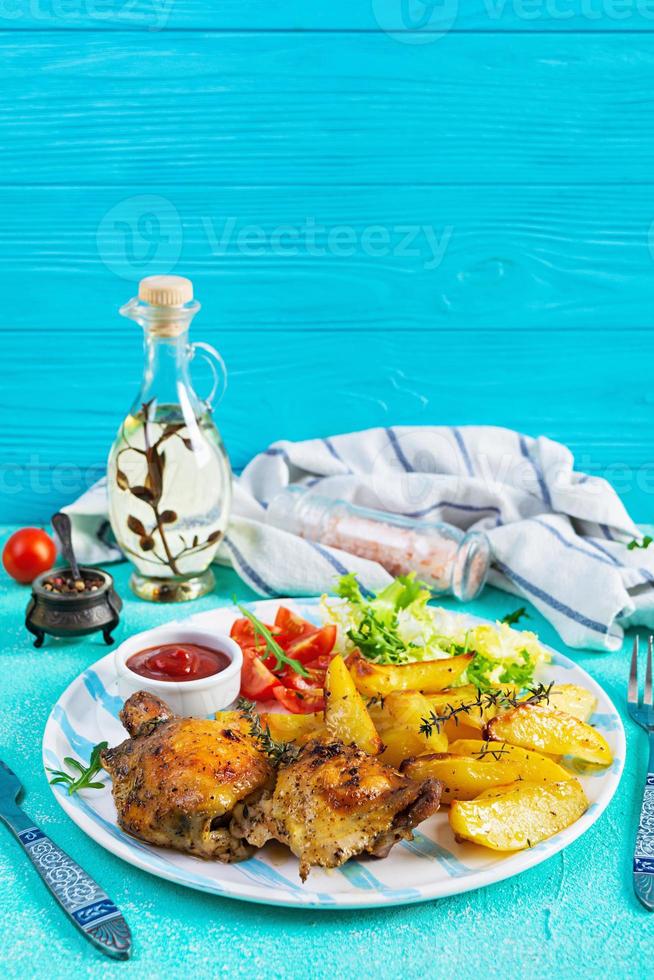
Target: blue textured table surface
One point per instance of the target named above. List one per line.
(574, 915)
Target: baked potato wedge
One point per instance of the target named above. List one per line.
(573, 700)
(544, 729)
(531, 765)
(378, 680)
(346, 716)
(463, 776)
(519, 815)
(400, 743)
(409, 709)
(233, 719)
(294, 728)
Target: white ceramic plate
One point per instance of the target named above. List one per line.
(431, 866)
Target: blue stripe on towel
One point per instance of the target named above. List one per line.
(332, 450)
(333, 561)
(537, 470)
(247, 569)
(392, 438)
(464, 450)
(569, 544)
(470, 508)
(608, 554)
(549, 600)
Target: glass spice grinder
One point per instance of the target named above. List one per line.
(169, 478)
(448, 560)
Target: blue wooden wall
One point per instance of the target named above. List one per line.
(393, 213)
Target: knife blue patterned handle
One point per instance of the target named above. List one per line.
(644, 851)
(81, 898)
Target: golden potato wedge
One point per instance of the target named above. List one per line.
(518, 815)
(539, 727)
(409, 709)
(573, 699)
(463, 776)
(378, 680)
(294, 728)
(346, 716)
(458, 728)
(400, 743)
(233, 719)
(531, 765)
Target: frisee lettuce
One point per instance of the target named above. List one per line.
(397, 626)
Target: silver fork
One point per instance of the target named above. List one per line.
(642, 712)
(85, 903)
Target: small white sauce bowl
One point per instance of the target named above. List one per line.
(200, 697)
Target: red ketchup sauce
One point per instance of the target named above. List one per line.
(178, 662)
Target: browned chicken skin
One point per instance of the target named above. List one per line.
(335, 802)
(177, 780)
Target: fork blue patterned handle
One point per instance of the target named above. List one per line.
(644, 851)
(81, 898)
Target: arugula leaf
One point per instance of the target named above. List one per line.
(645, 543)
(514, 617)
(272, 646)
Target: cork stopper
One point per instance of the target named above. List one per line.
(166, 290)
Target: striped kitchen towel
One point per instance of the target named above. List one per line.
(559, 538)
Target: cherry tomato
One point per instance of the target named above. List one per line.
(315, 681)
(257, 682)
(300, 703)
(28, 553)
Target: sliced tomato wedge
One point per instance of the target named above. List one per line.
(320, 643)
(243, 632)
(257, 682)
(314, 682)
(300, 703)
(291, 625)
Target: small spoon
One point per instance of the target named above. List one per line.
(61, 524)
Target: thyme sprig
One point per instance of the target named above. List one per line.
(494, 749)
(272, 646)
(483, 701)
(82, 776)
(280, 753)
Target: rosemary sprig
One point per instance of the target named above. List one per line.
(280, 753)
(82, 777)
(483, 701)
(272, 646)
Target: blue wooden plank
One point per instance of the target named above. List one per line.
(304, 258)
(412, 23)
(575, 386)
(297, 109)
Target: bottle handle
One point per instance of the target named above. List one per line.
(218, 370)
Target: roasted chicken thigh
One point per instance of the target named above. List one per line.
(335, 802)
(177, 780)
